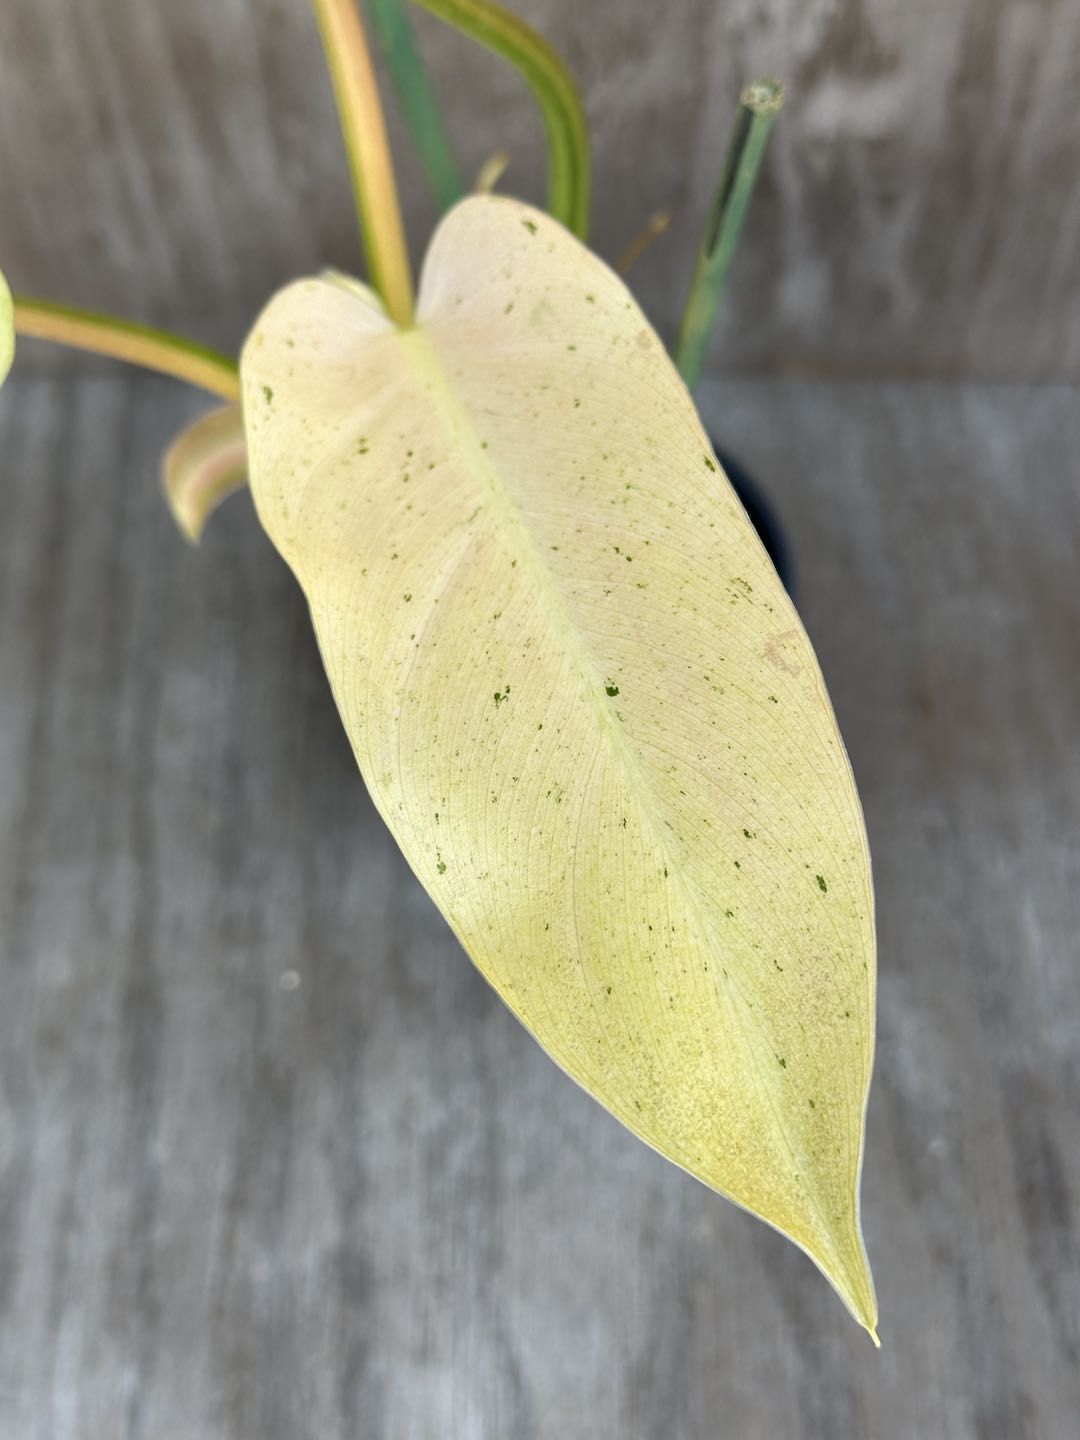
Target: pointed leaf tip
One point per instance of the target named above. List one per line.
(583, 702)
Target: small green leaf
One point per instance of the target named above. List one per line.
(635, 874)
(7, 329)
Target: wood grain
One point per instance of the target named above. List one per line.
(918, 213)
(274, 1161)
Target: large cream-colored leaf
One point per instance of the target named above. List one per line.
(583, 702)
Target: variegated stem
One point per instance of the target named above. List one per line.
(368, 150)
(124, 340)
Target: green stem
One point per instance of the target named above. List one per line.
(758, 108)
(124, 340)
(368, 150)
(555, 92)
(653, 228)
(390, 21)
(490, 173)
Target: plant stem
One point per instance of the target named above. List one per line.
(653, 228)
(364, 131)
(758, 107)
(390, 21)
(124, 340)
(555, 92)
(491, 172)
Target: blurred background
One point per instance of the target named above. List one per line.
(918, 213)
(274, 1162)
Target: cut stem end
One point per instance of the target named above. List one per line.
(758, 108)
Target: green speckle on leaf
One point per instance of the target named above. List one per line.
(710, 464)
(530, 225)
(268, 394)
(783, 1062)
(440, 866)
(821, 884)
(611, 689)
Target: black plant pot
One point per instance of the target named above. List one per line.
(762, 516)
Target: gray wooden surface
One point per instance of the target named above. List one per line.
(919, 211)
(365, 1205)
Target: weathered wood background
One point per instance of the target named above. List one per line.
(275, 1164)
(919, 214)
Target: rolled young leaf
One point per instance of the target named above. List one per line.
(205, 464)
(583, 703)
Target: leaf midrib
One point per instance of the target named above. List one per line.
(434, 380)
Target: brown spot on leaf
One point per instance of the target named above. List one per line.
(787, 641)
